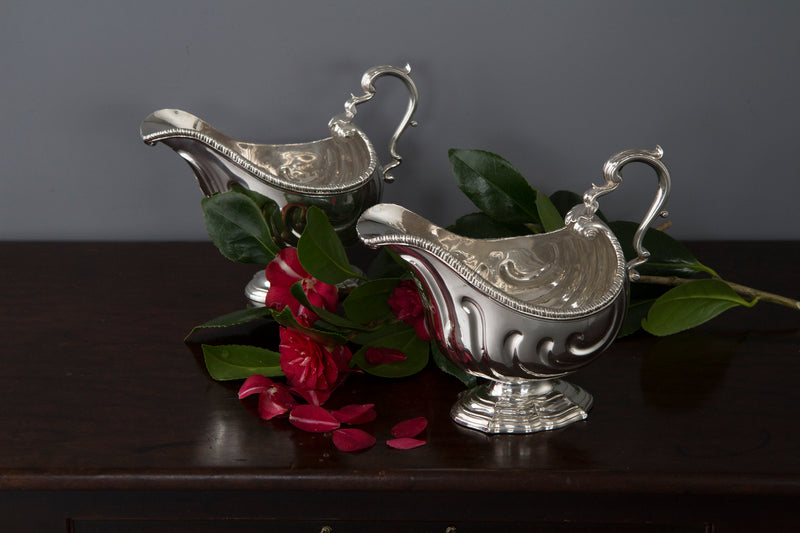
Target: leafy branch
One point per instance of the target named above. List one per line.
(748, 292)
(675, 291)
(506, 202)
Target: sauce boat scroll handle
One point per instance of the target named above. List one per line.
(523, 311)
(340, 174)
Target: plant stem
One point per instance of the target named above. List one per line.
(749, 292)
(664, 227)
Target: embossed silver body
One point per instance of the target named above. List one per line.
(340, 174)
(521, 311)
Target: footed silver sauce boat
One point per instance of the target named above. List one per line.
(340, 174)
(524, 311)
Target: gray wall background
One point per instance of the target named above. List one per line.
(554, 87)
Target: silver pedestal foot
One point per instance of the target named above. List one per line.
(526, 407)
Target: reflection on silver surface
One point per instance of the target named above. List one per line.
(339, 174)
(521, 311)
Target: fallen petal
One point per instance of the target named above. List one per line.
(255, 384)
(356, 414)
(404, 443)
(352, 440)
(410, 428)
(275, 401)
(382, 356)
(314, 397)
(313, 418)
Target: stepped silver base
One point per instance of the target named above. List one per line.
(526, 407)
(256, 289)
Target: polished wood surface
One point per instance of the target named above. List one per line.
(102, 401)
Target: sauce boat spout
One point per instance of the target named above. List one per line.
(340, 174)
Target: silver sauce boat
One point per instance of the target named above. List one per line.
(340, 174)
(524, 311)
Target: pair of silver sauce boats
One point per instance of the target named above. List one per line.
(521, 312)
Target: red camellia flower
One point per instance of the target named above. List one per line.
(407, 306)
(283, 272)
(311, 369)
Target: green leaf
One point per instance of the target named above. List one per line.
(447, 366)
(494, 186)
(668, 257)
(482, 226)
(322, 336)
(416, 352)
(234, 361)
(259, 199)
(369, 302)
(331, 318)
(386, 330)
(689, 305)
(548, 214)
(566, 200)
(387, 264)
(321, 252)
(637, 311)
(237, 227)
(234, 319)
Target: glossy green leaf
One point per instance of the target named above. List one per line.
(375, 335)
(328, 337)
(269, 210)
(406, 340)
(234, 319)
(369, 302)
(445, 365)
(321, 251)
(549, 216)
(482, 226)
(237, 227)
(494, 186)
(387, 264)
(234, 361)
(566, 200)
(259, 199)
(637, 311)
(689, 305)
(668, 257)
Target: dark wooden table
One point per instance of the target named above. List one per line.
(111, 425)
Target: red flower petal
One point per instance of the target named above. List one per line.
(352, 440)
(404, 443)
(279, 297)
(314, 397)
(382, 356)
(323, 295)
(275, 401)
(355, 414)
(410, 428)
(405, 301)
(255, 384)
(342, 355)
(313, 418)
(285, 269)
(421, 329)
